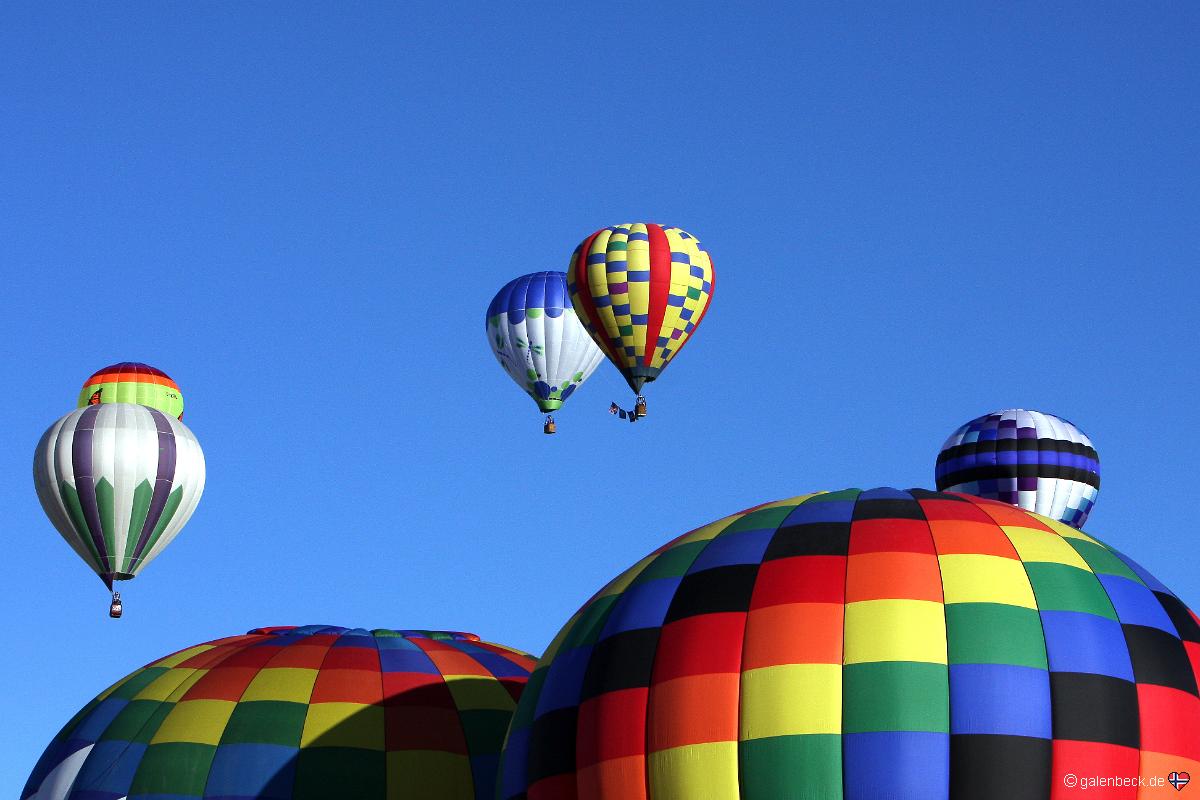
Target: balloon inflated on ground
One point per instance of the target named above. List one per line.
(641, 290)
(118, 481)
(886, 643)
(537, 338)
(133, 382)
(310, 712)
(1029, 459)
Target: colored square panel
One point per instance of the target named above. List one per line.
(989, 767)
(266, 722)
(951, 508)
(623, 776)
(564, 680)
(985, 579)
(895, 630)
(886, 764)
(92, 726)
(714, 591)
(416, 728)
(1061, 588)
(612, 725)
(1008, 516)
(291, 685)
(791, 699)
(170, 685)
(977, 538)
(796, 633)
(1000, 699)
(1095, 708)
(176, 659)
(261, 771)
(323, 772)
(1170, 720)
(892, 575)
(890, 536)
(800, 579)
(453, 662)
(803, 767)
(471, 693)
(1078, 642)
(972, 639)
(429, 775)
(347, 657)
(552, 744)
(138, 721)
(887, 508)
(343, 725)
(135, 683)
(1159, 658)
(643, 605)
(347, 686)
(744, 547)
(301, 656)
(697, 645)
(692, 710)
(413, 660)
(708, 769)
(484, 729)
(255, 657)
(1135, 604)
(1043, 547)
(421, 688)
(198, 721)
(809, 539)
(622, 661)
(1185, 625)
(895, 696)
(226, 683)
(673, 563)
(174, 768)
(110, 767)
(1101, 560)
(1079, 757)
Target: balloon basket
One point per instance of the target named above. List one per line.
(640, 408)
(549, 427)
(115, 607)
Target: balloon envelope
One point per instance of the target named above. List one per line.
(1029, 459)
(133, 382)
(538, 340)
(118, 481)
(311, 712)
(864, 645)
(640, 289)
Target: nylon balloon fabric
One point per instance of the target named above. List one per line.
(1029, 459)
(538, 340)
(641, 290)
(864, 645)
(295, 712)
(118, 481)
(133, 382)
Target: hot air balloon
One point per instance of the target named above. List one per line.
(640, 290)
(864, 645)
(1029, 459)
(289, 713)
(118, 481)
(131, 382)
(536, 337)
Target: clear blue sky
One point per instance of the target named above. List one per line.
(301, 211)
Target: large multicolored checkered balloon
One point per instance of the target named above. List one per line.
(865, 645)
(315, 712)
(119, 481)
(538, 340)
(133, 382)
(1029, 459)
(640, 289)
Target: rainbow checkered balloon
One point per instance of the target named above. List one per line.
(865, 645)
(283, 713)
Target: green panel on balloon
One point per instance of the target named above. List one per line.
(971, 639)
(895, 696)
(803, 767)
(326, 772)
(591, 622)
(265, 722)
(1058, 587)
(174, 768)
(1102, 561)
(674, 563)
(763, 519)
(134, 684)
(138, 721)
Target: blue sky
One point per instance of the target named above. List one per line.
(301, 212)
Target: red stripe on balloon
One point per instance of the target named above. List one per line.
(660, 287)
(584, 289)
